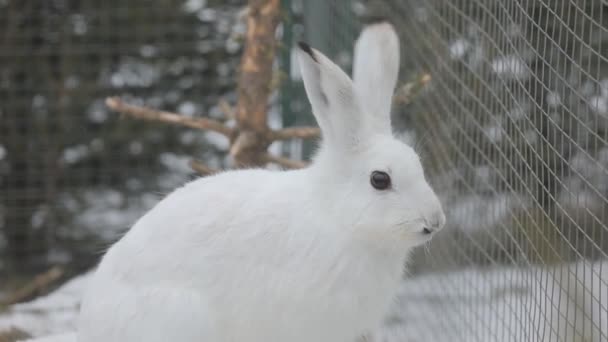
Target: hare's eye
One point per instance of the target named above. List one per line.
(380, 180)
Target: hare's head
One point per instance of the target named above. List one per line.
(384, 193)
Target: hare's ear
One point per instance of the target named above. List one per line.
(375, 71)
(332, 97)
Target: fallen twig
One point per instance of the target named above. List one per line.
(37, 286)
(13, 334)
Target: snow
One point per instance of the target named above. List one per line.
(188, 108)
(512, 67)
(193, 6)
(498, 304)
(74, 154)
(207, 15)
(459, 48)
(52, 314)
(494, 133)
(80, 26)
(474, 213)
(553, 99)
(68, 337)
(133, 73)
(108, 213)
(518, 112)
(97, 112)
(148, 50)
(505, 304)
(217, 140)
(599, 104)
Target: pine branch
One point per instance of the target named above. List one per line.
(150, 114)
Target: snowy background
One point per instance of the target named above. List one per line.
(523, 303)
(512, 129)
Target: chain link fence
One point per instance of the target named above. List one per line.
(512, 129)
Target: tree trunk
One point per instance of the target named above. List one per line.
(254, 84)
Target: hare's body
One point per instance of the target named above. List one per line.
(293, 278)
(262, 256)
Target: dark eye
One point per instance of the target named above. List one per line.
(380, 180)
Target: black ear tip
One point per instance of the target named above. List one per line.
(306, 48)
(376, 20)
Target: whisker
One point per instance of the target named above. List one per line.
(421, 142)
(427, 249)
(409, 221)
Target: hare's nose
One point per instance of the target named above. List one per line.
(434, 222)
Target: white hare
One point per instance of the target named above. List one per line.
(260, 256)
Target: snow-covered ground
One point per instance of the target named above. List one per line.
(561, 303)
(501, 304)
(51, 314)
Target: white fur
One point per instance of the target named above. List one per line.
(68, 337)
(255, 255)
(375, 71)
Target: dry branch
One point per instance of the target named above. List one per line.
(201, 168)
(285, 162)
(150, 114)
(250, 139)
(37, 286)
(406, 93)
(295, 132)
(13, 334)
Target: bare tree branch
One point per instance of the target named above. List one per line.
(295, 132)
(201, 168)
(150, 114)
(285, 162)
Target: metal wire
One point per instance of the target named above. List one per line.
(513, 125)
(517, 115)
(516, 100)
(73, 175)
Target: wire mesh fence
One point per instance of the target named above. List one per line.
(512, 129)
(72, 173)
(517, 96)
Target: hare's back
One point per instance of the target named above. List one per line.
(206, 224)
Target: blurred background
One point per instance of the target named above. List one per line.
(506, 101)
